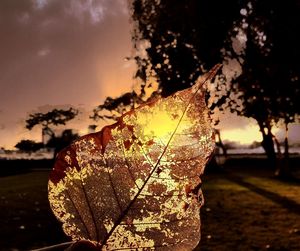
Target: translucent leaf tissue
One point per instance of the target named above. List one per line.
(135, 185)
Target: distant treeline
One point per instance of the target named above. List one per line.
(11, 167)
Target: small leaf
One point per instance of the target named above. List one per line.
(135, 184)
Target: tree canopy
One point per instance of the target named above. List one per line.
(54, 117)
(29, 146)
(116, 106)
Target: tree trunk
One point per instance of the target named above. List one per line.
(283, 171)
(286, 142)
(268, 145)
(46, 131)
(219, 142)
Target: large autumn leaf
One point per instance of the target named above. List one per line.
(135, 184)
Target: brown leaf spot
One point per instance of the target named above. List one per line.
(106, 137)
(158, 171)
(186, 206)
(58, 172)
(127, 144)
(130, 128)
(150, 142)
(188, 189)
(175, 116)
(157, 188)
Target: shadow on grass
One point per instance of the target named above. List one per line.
(286, 203)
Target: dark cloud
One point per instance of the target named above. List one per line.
(55, 48)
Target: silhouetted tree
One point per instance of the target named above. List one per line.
(184, 38)
(269, 82)
(52, 118)
(29, 146)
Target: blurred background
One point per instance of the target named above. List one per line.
(67, 68)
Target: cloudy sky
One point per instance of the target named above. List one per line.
(56, 53)
(59, 53)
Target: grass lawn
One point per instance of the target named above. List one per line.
(25, 216)
(244, 210)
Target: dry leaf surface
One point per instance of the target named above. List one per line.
(135, 184)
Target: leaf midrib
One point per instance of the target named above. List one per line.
(124, 213)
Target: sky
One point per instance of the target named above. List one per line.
(57, 54)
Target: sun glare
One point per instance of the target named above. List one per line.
(160, 124)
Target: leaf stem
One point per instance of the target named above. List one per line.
(55, 247)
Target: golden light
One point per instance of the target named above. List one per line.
(244, 135)
(161, 123)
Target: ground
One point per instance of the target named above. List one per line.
(250, 210)
(246, 208)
